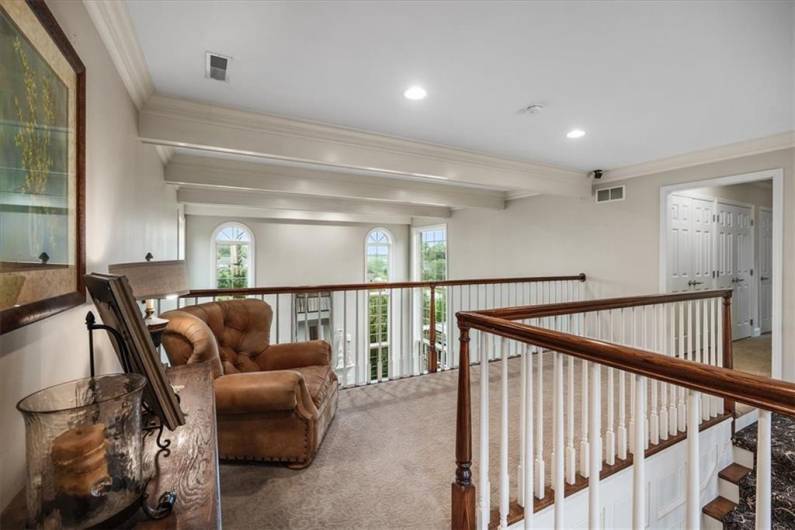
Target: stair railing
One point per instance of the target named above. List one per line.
(675, 349)
(389, 330)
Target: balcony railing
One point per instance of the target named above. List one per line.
(675, 353)
(385, 331)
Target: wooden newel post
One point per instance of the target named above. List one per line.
(463, 506)
(728, 357)
(433, 359)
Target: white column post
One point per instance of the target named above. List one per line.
(693, 517)
(763, 470)
(639, 457)
(594, 479)
(504, 480)
(483, 465)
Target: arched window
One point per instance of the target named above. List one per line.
(378, 269)
(233, 256)
(378, 256)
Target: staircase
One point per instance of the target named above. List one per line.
(734, 508)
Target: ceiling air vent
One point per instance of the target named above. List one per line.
(616, 193)
(216, 66)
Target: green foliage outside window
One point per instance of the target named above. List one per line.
(232, 266)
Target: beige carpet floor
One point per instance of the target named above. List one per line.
(753, 355)
(388, 458)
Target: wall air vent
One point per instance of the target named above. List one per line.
(217, 66)
(616, 193)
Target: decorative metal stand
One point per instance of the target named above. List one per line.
(152, 423)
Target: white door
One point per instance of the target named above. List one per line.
(680, 273)
(765, 269)
(703, 229)
(690, 254)
(735, 262)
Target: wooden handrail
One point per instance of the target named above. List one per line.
(769, 394)
(375, 286)
(604, 304)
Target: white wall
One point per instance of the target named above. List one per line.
(129, 211)
(615, 244)
(294, 253)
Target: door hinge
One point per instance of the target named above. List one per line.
(714, 218)
(752, 321)
(752, 272)
(752, 222)
(713, 274)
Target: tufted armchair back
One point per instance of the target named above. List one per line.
(241, 329)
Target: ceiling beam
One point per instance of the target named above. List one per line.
(236, 212)
(182, 123)
(200, 171)
(311, 205)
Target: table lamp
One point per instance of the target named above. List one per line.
(153, 279)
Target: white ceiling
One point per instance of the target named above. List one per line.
(646, 80)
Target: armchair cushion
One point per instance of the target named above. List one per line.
(257, 392)
(295, 355)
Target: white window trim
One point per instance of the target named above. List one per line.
(252, 258)
(415, 249)
(391, 263)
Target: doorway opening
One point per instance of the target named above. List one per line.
(727, 233)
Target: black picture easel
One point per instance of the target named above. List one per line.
(151, 423)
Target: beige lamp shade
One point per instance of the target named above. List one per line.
(154, 279)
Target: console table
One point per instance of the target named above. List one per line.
(191, 469)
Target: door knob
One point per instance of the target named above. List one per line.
(694, 283)
(764, 278)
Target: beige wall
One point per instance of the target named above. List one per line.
(130, 211)
(295, 253)
(616, 243)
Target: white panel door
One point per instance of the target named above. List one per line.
(703, 243)
(678, 256)
(735, 263)
(765, 269)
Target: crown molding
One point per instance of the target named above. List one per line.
(182, 123)
(112, 21)
(756, 146)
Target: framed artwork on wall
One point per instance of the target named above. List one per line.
(42, 166)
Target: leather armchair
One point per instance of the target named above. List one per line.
(273, 402)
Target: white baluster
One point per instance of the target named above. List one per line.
(610, 437)
(621, 433)
(662, 347)
(559, 482)
(522, 428)
(485, 487)
(633, 384)
(528, 440)
(654, 418)
(673, 417)
(585, 450)
(504, 482)
(646, 341)
(719, 360)
(693, 520)
(704, 355)
(714, 401)
(638, 458)
(594, 479)
(683, 354)
(763, 470)
(571, 452)
(540, 471)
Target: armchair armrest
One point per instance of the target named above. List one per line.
(295, 355)
(256, 392)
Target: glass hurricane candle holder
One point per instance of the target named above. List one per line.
(84, 450)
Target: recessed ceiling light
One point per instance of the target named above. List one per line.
(415, 93)
(575, 133)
